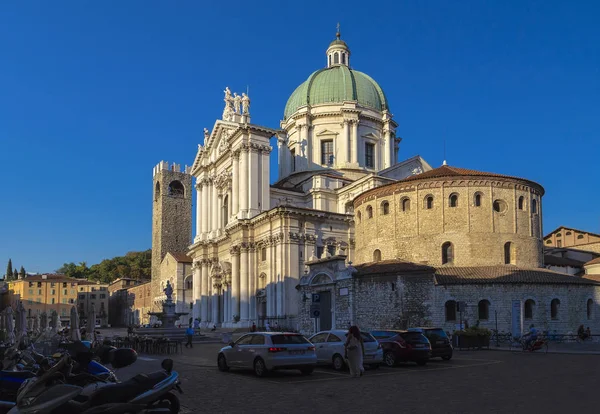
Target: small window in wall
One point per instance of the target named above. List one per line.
(358, 216)
(447, 253)
(385, 208)
(377, 255)
(344, 58)
(336, 58)
(554, 308)
(293, 156)
(483, 310)
(580, 236)
(558, 234)
(500, 206)
(568, 233)
(263, 254)
(453, 200)
(590, 308)
(548, 241)
(369, 212)
(428, 202)
(521, 202)
(477, 200)
(157, 191)
(327, 152)
(529, 307)
(509, 253)
(450, 307)
(370, 155)
(406, 204)
(534, 206)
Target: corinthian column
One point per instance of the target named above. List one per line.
(355, 141)
(243, 184)
(205, 281)
(197, 289)
(244, 292)
(214, 205)
(235, 183)
(198, 210)
(346, 140)
(235, 280)
(265, 202)
(204, 206)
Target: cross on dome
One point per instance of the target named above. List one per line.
(338, 52)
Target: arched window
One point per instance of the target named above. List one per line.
(176, 189)
(534, 206)
(157, 191)
(580, 236)
(500, 206)
(385, 208)
(225, 210)
(329, 60)
(358, 216)
(477, 200)
(483, 310)
(406, 204)
(450, 311)
(590, 308)
(529, 307)
(568, 233)
(558, 235)
(549, 242)
(447, 253)
(509, 253)
(429, 202)
(369, 212)
(554, 307)
(344, 58)
(336, 58)
(521, 202)
(453, 200)
(377, 255)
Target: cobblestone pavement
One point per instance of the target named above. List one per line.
(472, 382)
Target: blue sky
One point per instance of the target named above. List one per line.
(94, 94)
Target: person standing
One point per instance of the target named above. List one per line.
(355, 349)
(189, 333)
(267, 326)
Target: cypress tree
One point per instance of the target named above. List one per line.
(9, 270)
(22, 273)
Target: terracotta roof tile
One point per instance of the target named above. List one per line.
(391, 266)
(181, 257)
(502, 274)
(562, 261)
(449, 171)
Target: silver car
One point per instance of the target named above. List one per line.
(266, 351)
(330, 348)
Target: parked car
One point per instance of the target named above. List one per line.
(266, 351)
(440, 343)
(403, 346)
(330, 349)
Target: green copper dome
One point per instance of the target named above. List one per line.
(337, 84)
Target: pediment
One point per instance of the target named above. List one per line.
(326, 132)
(370, 135)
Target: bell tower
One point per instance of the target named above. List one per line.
(171, 215)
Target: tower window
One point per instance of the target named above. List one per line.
(369, 212)
(406, 204)
(429, 202)
(344, 58)
(370, 155)
(509, 253)
(521, 202)
(336, 58)
(447, 253)
(293, 156)
(176, 189)
(327, 152)
(385, 208)
(377, 255)
(477, 200)
(453, 200)
(329, 60)
(157, 191)
(534, 206)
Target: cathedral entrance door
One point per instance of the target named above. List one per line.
(325, 317)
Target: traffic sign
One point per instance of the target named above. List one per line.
(316, 298)
(316, 313)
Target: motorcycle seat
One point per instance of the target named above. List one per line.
(127, 390)
(17, 374)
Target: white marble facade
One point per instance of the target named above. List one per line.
(253, 237)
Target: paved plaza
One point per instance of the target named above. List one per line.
(472, 382)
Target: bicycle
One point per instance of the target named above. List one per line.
(541, 343)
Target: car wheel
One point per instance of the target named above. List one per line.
(389, 359)
(307, 370)
(222, 363)
(422, 362)
(447, 357)
(338, 362)
(260, 369)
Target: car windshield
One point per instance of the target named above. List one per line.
(288, 339)
(436, 334)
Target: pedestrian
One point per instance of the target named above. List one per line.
(253, 329)
(276, 327)
(267, 326)
(354, 351)
(189, 333)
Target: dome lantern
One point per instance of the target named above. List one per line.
(338, 52)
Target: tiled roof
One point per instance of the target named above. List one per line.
(181, 257)
(54, 278)
(593, 261)
(449, 171)
(562, 261)
(391, 266)
(561, 228)
(592, 277)
(502, 274)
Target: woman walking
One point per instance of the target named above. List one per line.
(354, 351)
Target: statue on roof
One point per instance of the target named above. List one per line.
(206, 136)
(228, 111)
(237, 100)
(245, 104)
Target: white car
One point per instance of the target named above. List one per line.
(266, 351)
(330, 348)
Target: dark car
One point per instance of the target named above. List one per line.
(440, 343)
(403, 346)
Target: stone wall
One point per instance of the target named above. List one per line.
(410, 231)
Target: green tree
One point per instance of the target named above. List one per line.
(9, 271)
(22, 272)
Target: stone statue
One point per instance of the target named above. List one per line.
(416, 171)
(168, 290)
(206, 136)
(237, 99)
(245, 104)
(228, 111)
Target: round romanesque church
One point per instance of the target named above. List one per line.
(349, 233)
